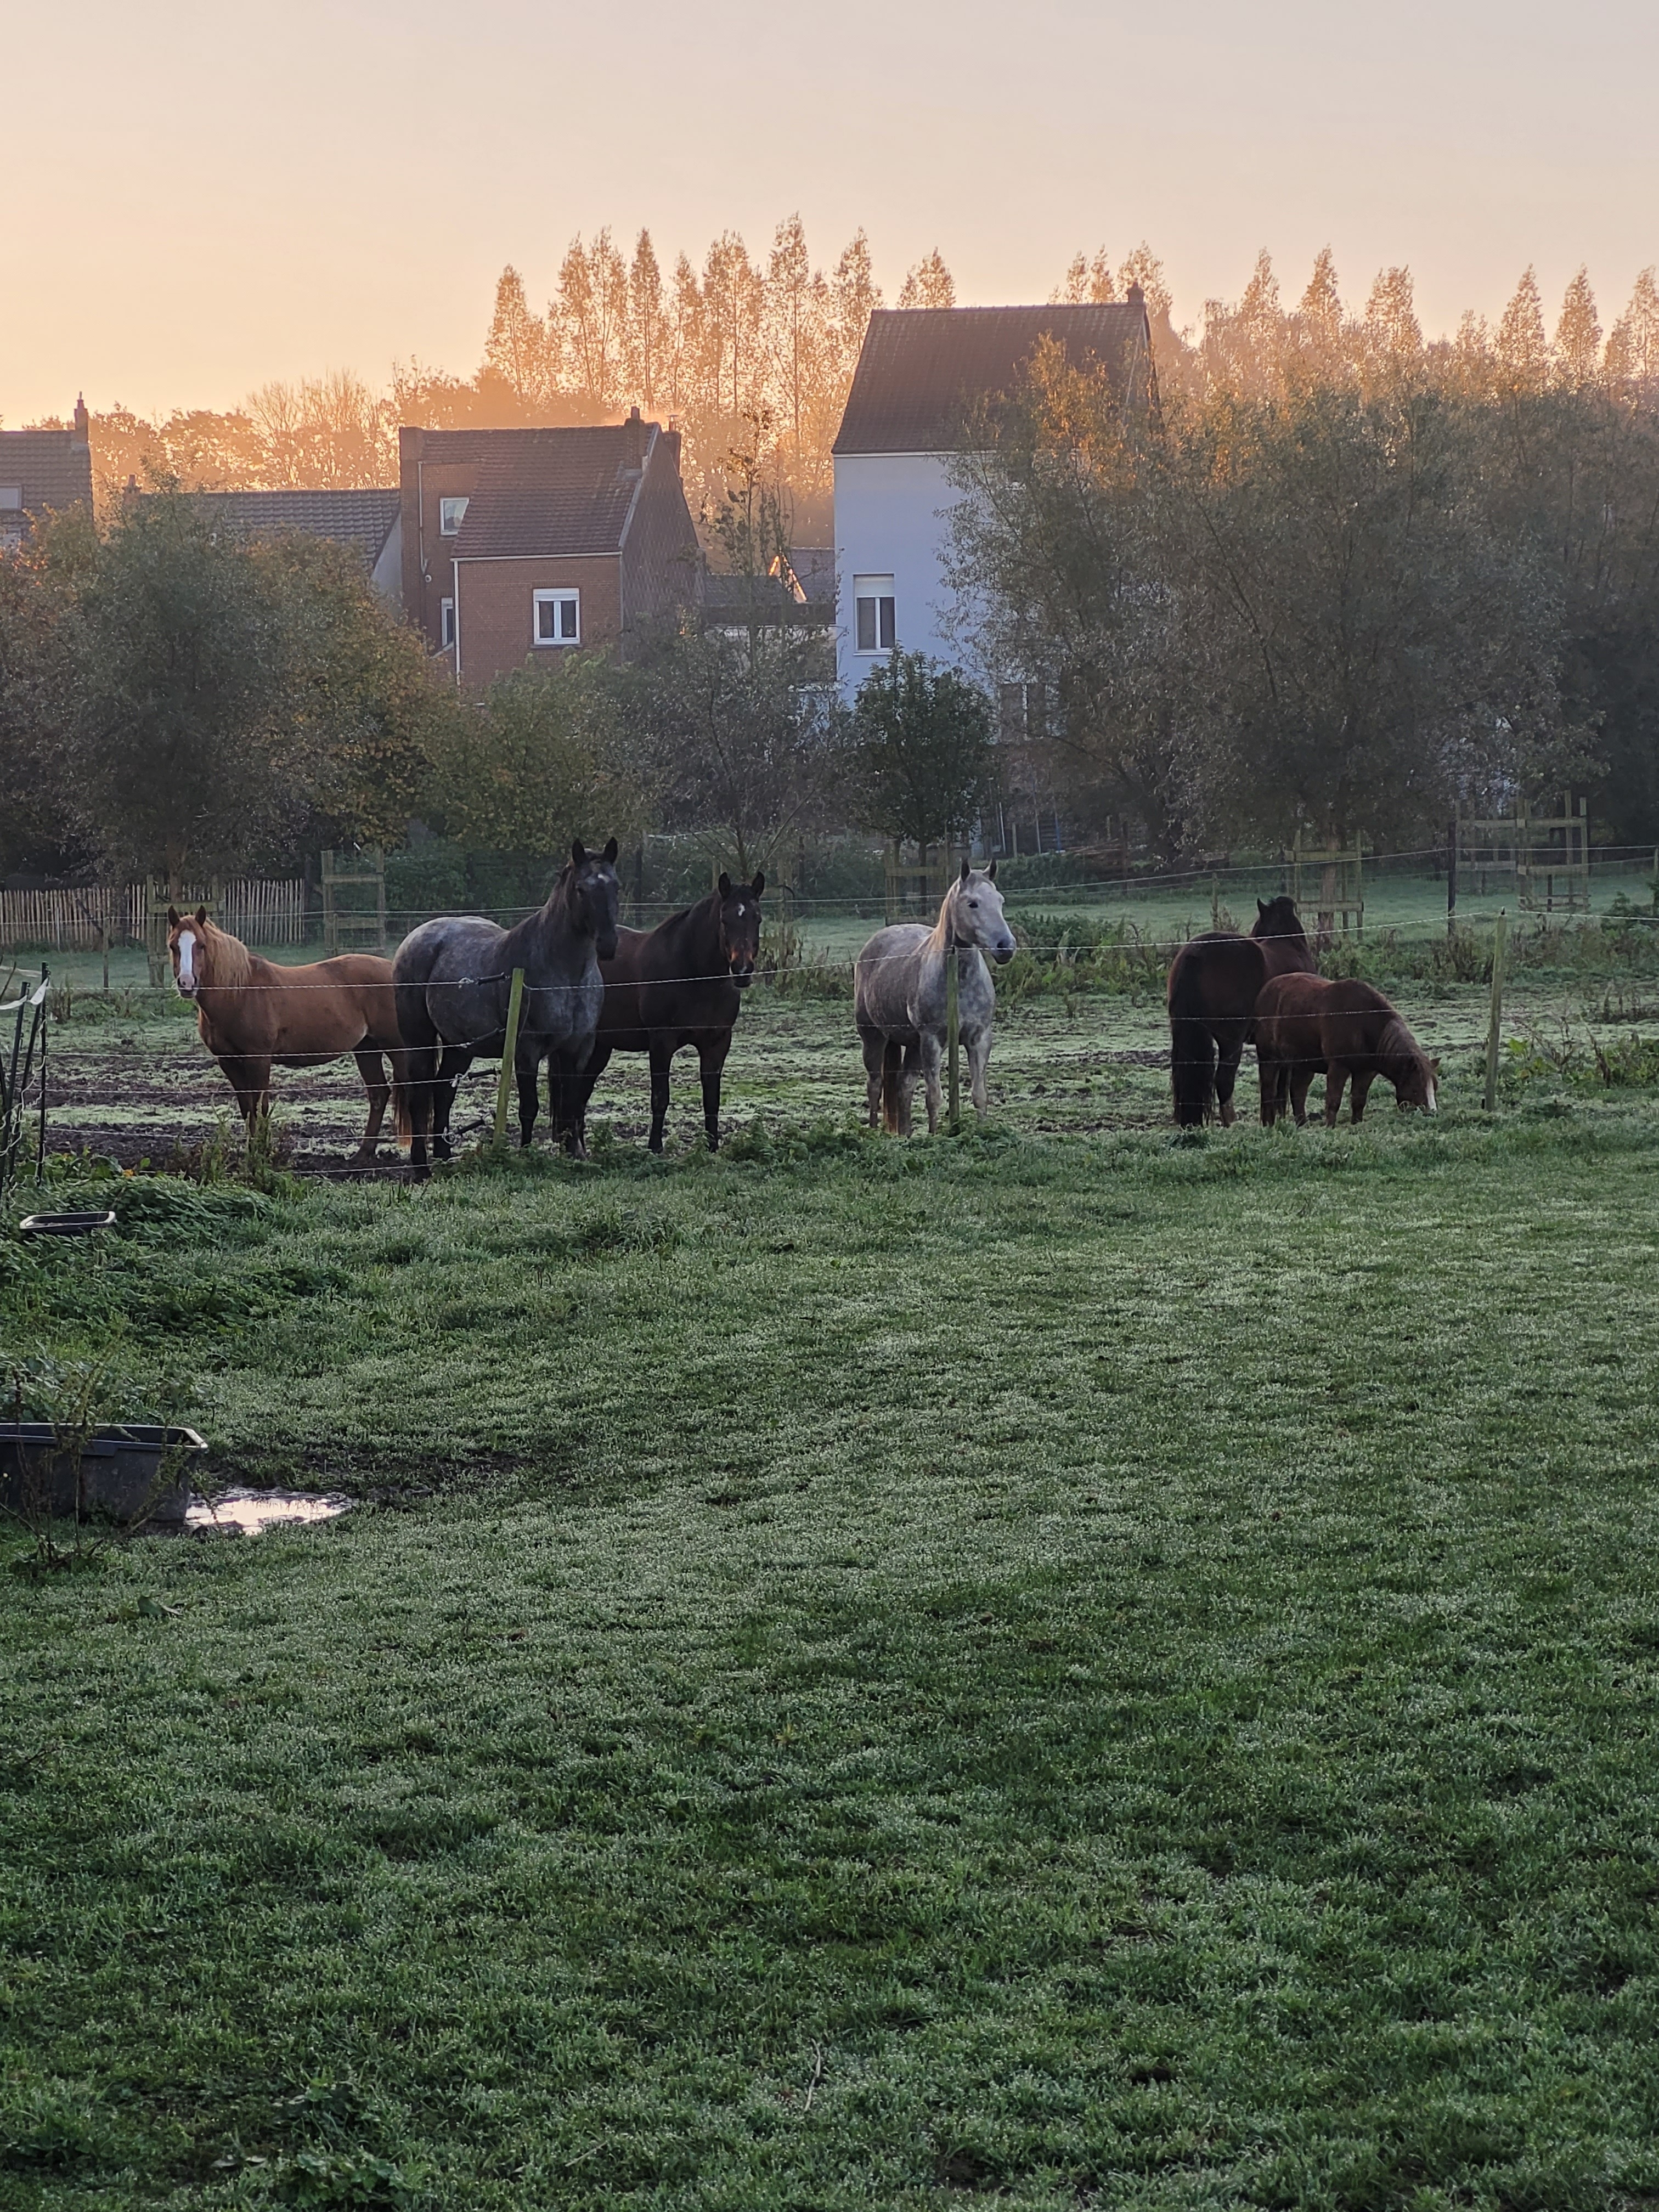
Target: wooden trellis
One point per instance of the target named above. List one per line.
(1330, 881)
(350, 927)
(1547, 855)
(915, 888)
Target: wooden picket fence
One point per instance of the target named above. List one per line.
(87, 919)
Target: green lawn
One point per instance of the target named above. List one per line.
(1111, 1671)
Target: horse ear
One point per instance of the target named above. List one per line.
(578, 851)
(759, 884)
(1261, 906)
(201, 914)
(610, 851)
(1435, 1065)
(966, 869)
(991, 872)
(173, 917)
(724, 886)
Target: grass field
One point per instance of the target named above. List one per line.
(1055, 1662)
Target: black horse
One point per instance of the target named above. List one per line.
(1214, 983)
(680, 983)
(453, 978)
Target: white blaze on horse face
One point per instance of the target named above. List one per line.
(187, 962)
(1432, 1108)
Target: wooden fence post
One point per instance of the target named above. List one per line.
(1451, 877)
(509, 1054)
(1496, 1020)
(952, 1032)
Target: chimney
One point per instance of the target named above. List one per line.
(1137, 298)
(633, 441)
(82, 424)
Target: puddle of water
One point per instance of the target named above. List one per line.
(246, 1512)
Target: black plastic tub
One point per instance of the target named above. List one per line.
(65, 1225)
(136, 1473)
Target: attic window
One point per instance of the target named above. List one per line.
(557, 617)
(11, 498)
(872, 602)
(450, 514)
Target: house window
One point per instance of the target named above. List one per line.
(872, 600)
(557, 617)
(450, 514)
(11, 498)
(445, 622)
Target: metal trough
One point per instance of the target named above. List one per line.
(137, 1472)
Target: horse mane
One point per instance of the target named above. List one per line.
(231, 962)
(1395, 1042)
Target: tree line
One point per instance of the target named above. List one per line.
(179, 705)
(1341, 579)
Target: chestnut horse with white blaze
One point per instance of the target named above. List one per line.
(1306, 1026)
(253, 1015)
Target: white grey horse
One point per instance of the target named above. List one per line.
(452, 977)
(899, 997)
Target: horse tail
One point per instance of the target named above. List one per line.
(1191, 1046)
(414, 1067)
(893, 1067)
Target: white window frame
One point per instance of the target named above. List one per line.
(452, 513)
(446, 624)
(876, 592)
(11, 499)
(561, 595)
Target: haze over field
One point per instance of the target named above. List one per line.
(204, 199)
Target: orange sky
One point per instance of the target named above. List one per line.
(202, 196)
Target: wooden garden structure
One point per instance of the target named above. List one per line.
(1547, 855)
(1332, 879)
(354, 924)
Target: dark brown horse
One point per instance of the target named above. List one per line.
(1306, 1026)
(680, 983)
(1214, 983)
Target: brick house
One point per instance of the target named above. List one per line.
(40, 471)
(520, 544)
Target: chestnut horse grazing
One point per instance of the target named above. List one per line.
(1306, 1026)
(253, 1015)
(680, 983)
(1214, 983)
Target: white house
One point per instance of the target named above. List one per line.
(922, 373)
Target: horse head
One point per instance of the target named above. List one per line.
(740, 926)
(187, 947)
(1415, 1076)
(596, 896)
(1277, 917)
(976, 916)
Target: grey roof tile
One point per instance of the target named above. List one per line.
(921, 369)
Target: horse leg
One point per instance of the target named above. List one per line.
(1302, 1073)
(932, 1058)
(875, 1054)
(456, 1058)
(586, 1083)
(527, 1073)
(1231, 1052)
(909, 1069)
(661, 1060)
(1362, 1084)
(711, 1062)
(1191, 1063)
(978, 1058)
(372, 1068)
(1270, 1072)
(1336, 1076)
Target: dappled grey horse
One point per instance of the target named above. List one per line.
(454, 979)
(899, 997)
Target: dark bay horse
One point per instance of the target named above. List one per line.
(680, 983)
(1307, 1026)
(1214, 983)
(253, 1015)
(453, 978)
